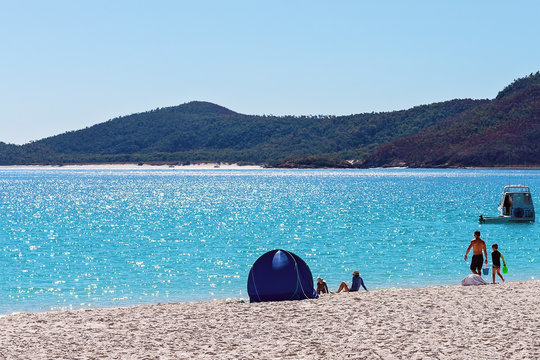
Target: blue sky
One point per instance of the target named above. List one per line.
(65, 65)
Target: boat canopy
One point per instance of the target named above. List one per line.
(516, 189)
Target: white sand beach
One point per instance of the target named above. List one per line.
(450, 322)
(135, 166)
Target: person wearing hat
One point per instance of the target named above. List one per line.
(357, 281)
(322, 288)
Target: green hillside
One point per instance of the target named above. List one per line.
(452, 133)
(503, 132)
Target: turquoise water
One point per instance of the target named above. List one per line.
(99, 238)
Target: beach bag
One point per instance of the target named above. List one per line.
(473, 279)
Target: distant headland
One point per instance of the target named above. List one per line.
(502, 132)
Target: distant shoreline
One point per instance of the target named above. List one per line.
(136, 166)
(227, 166)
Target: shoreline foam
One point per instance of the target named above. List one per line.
(446, 322)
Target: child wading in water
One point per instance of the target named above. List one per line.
(496, 260)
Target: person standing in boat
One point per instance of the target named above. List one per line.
(478, 245)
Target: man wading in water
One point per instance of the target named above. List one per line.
(477, 245)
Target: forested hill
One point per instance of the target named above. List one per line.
(502, 131)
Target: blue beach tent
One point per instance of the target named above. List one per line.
(280, 275)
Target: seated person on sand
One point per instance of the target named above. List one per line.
(322, 288)
(356, 283)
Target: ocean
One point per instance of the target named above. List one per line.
(79, 238)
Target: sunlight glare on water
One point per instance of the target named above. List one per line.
(93, 238)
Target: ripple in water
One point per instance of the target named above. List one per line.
(93, 238)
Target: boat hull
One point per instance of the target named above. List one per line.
(504, 220)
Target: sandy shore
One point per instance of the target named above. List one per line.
(132, 166)
(452, 322)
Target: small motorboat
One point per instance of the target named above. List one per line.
(516, 206)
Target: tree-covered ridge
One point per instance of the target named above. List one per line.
(453, 133)
(191, 133)
(502, 132)
(517, 85)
